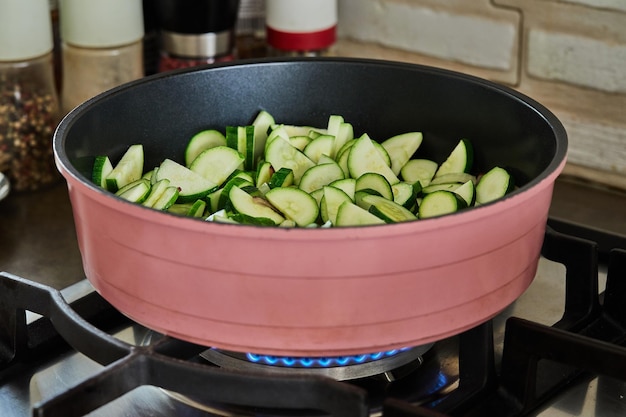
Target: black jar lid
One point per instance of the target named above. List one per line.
(197, 16)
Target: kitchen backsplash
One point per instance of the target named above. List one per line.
(570, 55)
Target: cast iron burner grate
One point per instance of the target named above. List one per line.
(586, 341)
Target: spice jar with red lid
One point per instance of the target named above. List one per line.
(301, 27)
(29, 107)
(196, 32)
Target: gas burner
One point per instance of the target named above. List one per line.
(340, 368)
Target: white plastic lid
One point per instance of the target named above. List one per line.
(25, 29)
(101, 23)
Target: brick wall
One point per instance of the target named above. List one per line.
(570, 55)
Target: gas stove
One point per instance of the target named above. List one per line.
(556, 351)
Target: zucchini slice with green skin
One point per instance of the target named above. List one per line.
(217, 164)
(300, 142)
(347, 185)
(128, 169)
(401, 148)
(456, 177)
(387, 210)
(264, 173)
(364, 157)
(295, 204)
(405, 194)
(136, 191)
(495, 184)
(156, 190)
(331, 200)
(439, 203)
(224, 196)
(241, 139)
(280, 153)
(244, 203)
(422, 170)
(349, 214)
(281, 178)
(321, 145)
(192, 186)
(467, 191)
(102, 167)
(460, 159)
(195, 209)
(318, 176)
(261, 123)
(374, 181)
(440, 187)
(167, 198)
(201, 141)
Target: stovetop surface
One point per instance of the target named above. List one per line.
(37, 241)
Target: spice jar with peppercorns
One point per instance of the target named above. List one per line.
(29, 106)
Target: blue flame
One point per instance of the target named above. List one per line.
(320, 362)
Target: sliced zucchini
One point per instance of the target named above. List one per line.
(261, 123)
(264, 173)
(217, 164)
(136, 191)
(244, 203)
(459, 160)
(322, 145)
(456, 177)
(168, 197)
(401, 148)
(467, 191)
(193, 209)
(440, 187)
(156, 190)
(318, 176)
(281, 178)
(192, 186)
(349, 214)
(295, 204)
(374, 181)
(422, 170)
(331, 200)
(387, 210)
(439, 203)
(241, 139)
(128, 169)
(300, 142)
(347, 185)
(102, 167)
(201, 141)
(496, 183)
(224, 196)
(365, 157)
(281, 153)
(405, 194)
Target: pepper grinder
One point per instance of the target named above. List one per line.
(301, 27)
(196, 32)
(29, 108)
(102, 47)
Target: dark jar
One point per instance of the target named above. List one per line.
(196, 33)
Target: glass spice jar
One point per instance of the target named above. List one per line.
(29, 106)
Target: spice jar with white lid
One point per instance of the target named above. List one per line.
(102, 47)
(301, 27)
(29, 108)
(196, 32)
